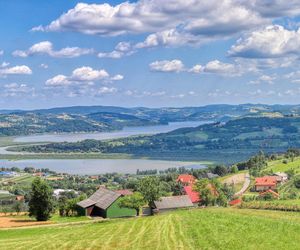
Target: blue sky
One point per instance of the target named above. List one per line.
(148, 53)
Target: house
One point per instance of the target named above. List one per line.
(281, 177)
(265, 183)
(20, 197)
(211, 175)
(105, 203)
(269, 192)
(172, 202)
(186, 179)
(193, 195)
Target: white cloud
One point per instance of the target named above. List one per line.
(198, 17)
(274, 8)
(4, 64)
(16, 70)
(44, 66)
(269, 42)
(167, 66)
(59, 80)
(121, 49)
(83, 75)
(46, 48)
(15, 89)
(217, 67)
(107, 90)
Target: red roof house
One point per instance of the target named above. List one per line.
(265, 183)
(194, 196)
(186, 179)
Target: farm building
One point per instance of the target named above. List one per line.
(186, 179)
(281, 177)
(172, 202)
(265, 183)
(194, 196)
(105, 203)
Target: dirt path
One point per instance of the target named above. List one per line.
(8, 222)
(245, 186)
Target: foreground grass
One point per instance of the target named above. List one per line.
(215, 228)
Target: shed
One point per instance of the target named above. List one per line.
(105, 203)
(173, 202)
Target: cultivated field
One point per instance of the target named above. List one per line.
(213, 228)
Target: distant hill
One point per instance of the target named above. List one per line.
(108, 118)
(228, 142)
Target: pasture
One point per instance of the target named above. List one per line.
(212, 228)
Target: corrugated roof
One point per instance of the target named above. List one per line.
(173, 202)
(102, 198)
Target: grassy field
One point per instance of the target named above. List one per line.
(279, 166)
(214, 228)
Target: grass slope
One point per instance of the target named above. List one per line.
(214, 228)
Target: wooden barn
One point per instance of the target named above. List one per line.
(172, 202)
(104, 203)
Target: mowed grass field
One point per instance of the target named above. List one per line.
(212, 228)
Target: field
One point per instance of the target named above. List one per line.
(213, 228)
(279, 166)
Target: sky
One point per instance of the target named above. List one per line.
(149, 53)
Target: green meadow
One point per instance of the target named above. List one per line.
(212, 228)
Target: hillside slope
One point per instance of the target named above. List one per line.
(214, 228)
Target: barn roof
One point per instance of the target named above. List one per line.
(173, 202)
(102, 198)
(194, 196)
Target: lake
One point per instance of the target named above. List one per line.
(99, 166)
(125, 132)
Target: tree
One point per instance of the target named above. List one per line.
(135, 201)
(234, 169)
(203, 186)
(150, 189)
(220, 170)
(18, 206)
(41, 203)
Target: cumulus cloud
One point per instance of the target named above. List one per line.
(15, 70)
(15, 89)
(121, 49)
(195, 16)
(83, 75)
(46, 48)
(217, 67)
(274, 8)
(270, 42)
(167, 66)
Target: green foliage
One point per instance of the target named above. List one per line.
(135, 201)
(149, 187)
(41, 203)
(234, 169)
(297, 182)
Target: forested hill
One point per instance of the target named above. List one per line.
(222, 142)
